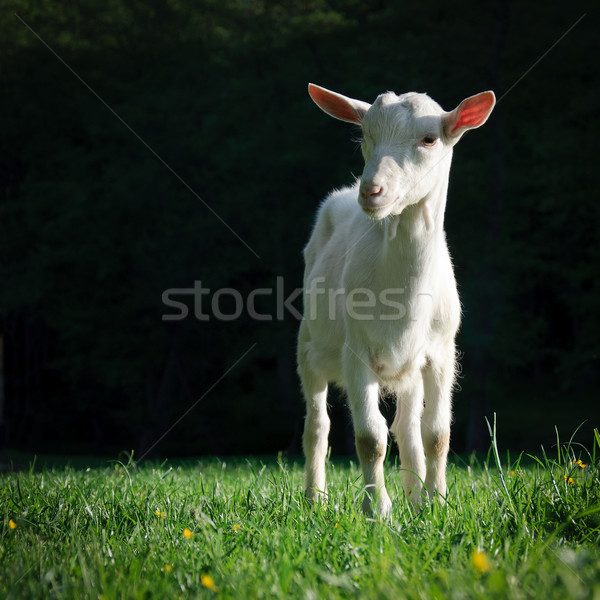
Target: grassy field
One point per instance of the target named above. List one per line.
(241, 529)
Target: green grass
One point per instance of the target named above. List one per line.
(118, 532)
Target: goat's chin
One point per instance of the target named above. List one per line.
(378, 214)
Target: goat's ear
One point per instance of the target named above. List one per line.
(469, 114)
(338, 106)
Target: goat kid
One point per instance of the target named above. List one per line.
(362, 258)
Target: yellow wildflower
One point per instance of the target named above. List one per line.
(167, 568)
(208, 582)
(187, 534)
(12, 524)
(237, 528)
(336, 525)
(161, 513)
(569, 480)
(580, 464)
(480, 561)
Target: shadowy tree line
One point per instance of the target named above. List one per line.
(148, 146)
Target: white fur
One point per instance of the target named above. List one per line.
(381, 309)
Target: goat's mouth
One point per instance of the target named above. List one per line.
(378, 212)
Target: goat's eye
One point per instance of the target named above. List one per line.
(429, 140)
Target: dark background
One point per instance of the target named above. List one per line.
(95, 223)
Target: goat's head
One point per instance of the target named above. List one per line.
(407, 143)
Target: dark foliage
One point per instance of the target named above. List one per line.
(147, 146)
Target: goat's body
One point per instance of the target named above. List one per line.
(408, 336)
(381, 309)
(420, 313)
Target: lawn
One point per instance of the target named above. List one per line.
(524, 528)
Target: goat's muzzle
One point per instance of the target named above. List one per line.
(373, 198)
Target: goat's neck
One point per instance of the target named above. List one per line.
(419, 225)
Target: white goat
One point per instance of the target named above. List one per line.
(391, 243)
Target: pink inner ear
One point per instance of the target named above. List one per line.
(475, 111)
(334, 105)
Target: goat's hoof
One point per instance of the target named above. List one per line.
(380, 508)
(314, 496)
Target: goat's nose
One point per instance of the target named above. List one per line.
(370, 190)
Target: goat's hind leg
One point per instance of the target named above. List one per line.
(406, 429)
(435, 426)
(316, 428)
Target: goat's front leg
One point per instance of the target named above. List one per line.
(316, 425)
(370, 430)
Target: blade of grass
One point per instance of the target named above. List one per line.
(499, 465)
